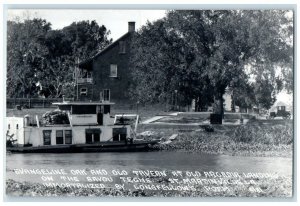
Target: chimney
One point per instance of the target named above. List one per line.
(131, 26)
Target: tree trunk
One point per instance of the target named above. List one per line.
(218, 105)
(197, 104)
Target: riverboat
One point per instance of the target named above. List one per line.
(81, 127)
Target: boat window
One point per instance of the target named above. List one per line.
(59, 137)
(89, 138)
(86, 109)
(68, 136)
(119, 134)
(47, 137)
(96, 137)
(106, 109)
(92, 135)
(106, 95)
(65, 107)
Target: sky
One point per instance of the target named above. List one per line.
(114, 20)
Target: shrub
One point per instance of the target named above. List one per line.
(265, 134)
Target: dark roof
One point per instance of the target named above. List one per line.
(90, 60)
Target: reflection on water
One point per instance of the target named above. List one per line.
(148, 161)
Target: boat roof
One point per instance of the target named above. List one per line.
(82, 103)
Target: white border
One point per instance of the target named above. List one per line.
(141, 4)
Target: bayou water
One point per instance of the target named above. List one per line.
(172, 161)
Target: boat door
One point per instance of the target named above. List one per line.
(100, 118)
(99, 115)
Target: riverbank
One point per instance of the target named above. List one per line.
(273, 138)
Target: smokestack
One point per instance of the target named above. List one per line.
(131, 26)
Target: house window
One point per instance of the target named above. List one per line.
(113, 70)
(59, 137)
(122, 47)
(68, 136)
(106, 95)
(47, 137)
(8, 126)
(17, 126)
(83, 91)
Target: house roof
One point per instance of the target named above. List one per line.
(281, 103)
(86, 63)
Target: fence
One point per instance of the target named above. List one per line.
(32, 102)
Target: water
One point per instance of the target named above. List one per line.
(145, 161)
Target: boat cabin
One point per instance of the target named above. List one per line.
(87, 113)
(88, 123)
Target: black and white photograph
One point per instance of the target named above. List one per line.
(149, 103)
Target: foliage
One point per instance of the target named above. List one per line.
(200, 53)
(41, 61)
(25, 51)
(272, 135)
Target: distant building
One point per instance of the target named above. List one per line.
(227, 97)
(106, 76)
(280, 105)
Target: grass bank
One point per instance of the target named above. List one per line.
(257, 138)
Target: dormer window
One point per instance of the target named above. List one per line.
(113, 70)
(122, 47)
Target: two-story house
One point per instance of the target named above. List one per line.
(106, 76)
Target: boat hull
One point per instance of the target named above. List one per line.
(82, 148)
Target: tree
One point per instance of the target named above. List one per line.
(208, 51)
(85, 38)
(66, 47)
(25, 53)
(164, 66)
(42, 61)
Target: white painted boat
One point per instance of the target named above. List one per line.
(90, 128)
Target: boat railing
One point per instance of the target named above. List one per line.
(127, 119)
(70, 119)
